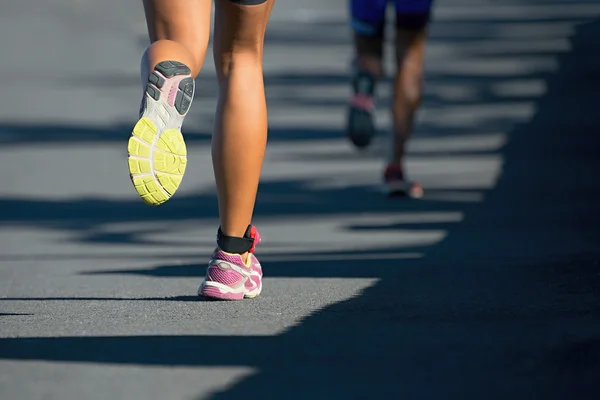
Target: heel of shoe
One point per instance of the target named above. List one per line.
(179, 94)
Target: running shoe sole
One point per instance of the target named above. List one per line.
(361, 128)
(219, 291)
(157, 154)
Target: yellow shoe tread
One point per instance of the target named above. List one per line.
(156, 175)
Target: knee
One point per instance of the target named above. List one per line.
(246, 49)
(238, 58)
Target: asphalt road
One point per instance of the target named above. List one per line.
(488, 288)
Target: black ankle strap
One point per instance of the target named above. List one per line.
(236, 245)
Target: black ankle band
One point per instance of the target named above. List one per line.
(235, 245)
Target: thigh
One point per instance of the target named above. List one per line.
(183, 21)
(241, 24)
(240, 27)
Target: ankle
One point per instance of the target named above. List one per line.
(394, 167)
(238, 245)
(363, 102)
(364, 83)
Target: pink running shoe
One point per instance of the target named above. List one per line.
(396, 185)
(360, 127)
(229, 278)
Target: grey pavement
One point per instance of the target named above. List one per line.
(488, 288)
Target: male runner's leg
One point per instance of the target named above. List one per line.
(412, 17)
(368, 24)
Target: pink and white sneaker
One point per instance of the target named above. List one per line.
(396, 185)
(228, 277)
